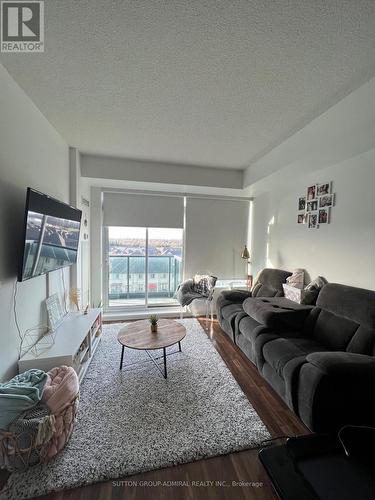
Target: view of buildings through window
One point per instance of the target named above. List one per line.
(128, 249)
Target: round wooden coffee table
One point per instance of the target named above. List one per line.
(138, 335)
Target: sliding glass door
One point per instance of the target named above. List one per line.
(143, 266)
(164, 268)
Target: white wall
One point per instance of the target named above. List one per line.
(96, 245)
(343, 251)
(31, 154)
(80, 198)
(120, 169)
(343, 131)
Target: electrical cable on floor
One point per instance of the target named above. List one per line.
(268, 442)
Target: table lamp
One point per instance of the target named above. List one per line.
(246, 256)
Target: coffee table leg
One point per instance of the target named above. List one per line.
(122, 357)
(179, 346)
(165, 362)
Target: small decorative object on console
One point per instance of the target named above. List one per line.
(55, 312)
(246, 256)
(74, 297)
(154, 323)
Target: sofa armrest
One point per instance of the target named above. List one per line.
(336, 389)
(237, 296)
(343, 364)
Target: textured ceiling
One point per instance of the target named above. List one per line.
(210, 82)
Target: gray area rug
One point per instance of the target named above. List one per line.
(134, 421)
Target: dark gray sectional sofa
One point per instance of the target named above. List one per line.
(319, 359)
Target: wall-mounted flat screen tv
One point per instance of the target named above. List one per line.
(51, 235)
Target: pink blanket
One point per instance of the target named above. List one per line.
(60, 390)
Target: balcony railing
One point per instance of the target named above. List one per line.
(127, 278)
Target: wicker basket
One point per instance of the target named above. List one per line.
(21, 451)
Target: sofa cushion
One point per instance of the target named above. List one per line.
(265, 291)
(333, 331)
(278, 313)
(228, 318)
(280, 351)
(231, 310)
(249, 328)
(234, 295)
(353, 303)
(271, 281)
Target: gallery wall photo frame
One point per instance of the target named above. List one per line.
(324, 215)
(327, 200)
(313, 220)
(324, 188)
(312, 206)
(314, 209)
(311, 192)
(302, 218)
(302, 203)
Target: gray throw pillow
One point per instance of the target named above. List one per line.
(203, 284)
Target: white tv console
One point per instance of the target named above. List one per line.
(75, 342)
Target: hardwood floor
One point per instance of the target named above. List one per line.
(193, 480)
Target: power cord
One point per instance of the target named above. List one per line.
(21, 335)
(64, 290)
(15, 290)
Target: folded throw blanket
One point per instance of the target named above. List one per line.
(185, 293)
(197, 288)
(61, 389)
(20, 394)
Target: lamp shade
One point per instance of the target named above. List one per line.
(245, 253)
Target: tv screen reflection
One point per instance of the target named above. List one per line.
(50, 243)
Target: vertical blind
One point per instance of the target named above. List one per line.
(143, 210)
(216, 232)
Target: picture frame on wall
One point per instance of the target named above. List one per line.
(324, 214)
(302, 203)
(315, 207)
(312, 206)
(311, 193)
(326, 200)
(324, 189)
(313, 221)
